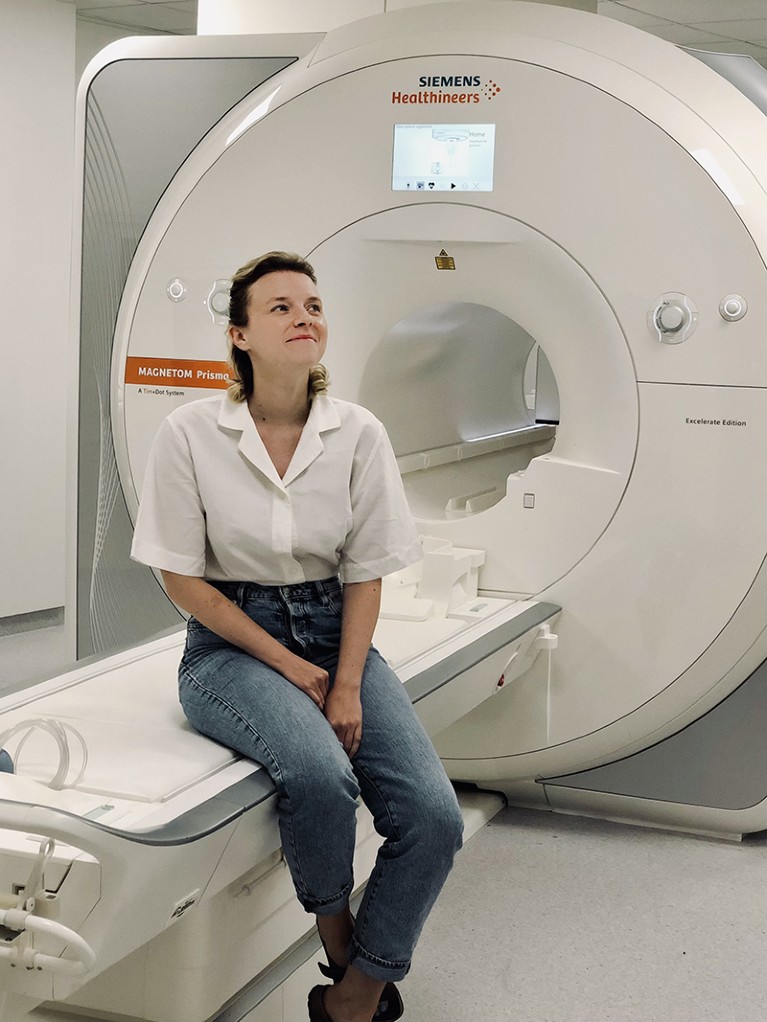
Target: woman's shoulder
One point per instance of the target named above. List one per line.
(195, 414)
(353, 415)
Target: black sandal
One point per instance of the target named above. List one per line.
(390, 1006)
(318, 1012)
(316, 1005)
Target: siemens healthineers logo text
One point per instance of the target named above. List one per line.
(433, 89)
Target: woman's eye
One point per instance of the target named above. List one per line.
(314, 307)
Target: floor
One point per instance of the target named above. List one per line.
(550, 918)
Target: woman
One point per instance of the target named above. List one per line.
(273, 513)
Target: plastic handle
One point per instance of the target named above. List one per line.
(85, 956)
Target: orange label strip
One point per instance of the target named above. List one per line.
(177, 372)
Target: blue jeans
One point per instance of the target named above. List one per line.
(246, 705)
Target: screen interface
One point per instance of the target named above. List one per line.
(443, 157)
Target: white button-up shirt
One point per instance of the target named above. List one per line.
(213, 505)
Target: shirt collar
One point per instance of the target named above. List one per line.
(323, 416)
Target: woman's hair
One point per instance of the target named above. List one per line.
(239, 361)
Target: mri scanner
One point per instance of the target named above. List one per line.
(541, 238)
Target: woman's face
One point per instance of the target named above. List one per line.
(286, 325)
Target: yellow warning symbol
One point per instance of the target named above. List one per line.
(444, 261)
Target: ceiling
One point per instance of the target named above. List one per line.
(730, 26)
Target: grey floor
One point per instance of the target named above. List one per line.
(550, 918)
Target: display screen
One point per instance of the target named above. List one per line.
(443, 157)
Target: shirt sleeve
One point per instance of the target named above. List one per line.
(170, 527)
(383, 537)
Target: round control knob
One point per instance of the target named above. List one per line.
(670, 318)
(733, 308)
(220, 302)
(176, 290)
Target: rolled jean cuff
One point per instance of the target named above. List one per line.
(328, 906)
(377, 968)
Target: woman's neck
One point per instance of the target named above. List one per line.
(282, 402)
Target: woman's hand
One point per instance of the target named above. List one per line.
(343, 706)
(308, 677)
(226, 619)
(343, 709)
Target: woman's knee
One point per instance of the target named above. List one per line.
(447, 822)
(322, 784)
(436, 821)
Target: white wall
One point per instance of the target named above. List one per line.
(234, 17)
(43, 52)
(92, 37)
(37, 53)
(222, 17)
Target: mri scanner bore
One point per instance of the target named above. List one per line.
(571, 364)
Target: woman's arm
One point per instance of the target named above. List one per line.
(343, 707)
(212, 609)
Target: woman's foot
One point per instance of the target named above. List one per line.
(335, 934)
(319, 1012)
(354, 999)
(316, 1005)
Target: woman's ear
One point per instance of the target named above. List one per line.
(236, 337)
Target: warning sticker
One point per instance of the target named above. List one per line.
(444, 261)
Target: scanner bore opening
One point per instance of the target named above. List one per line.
(468, 397)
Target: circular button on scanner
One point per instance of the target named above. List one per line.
(673, 317)
(176, 290)
(733, 308)
(218, 302)
(670, 318)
